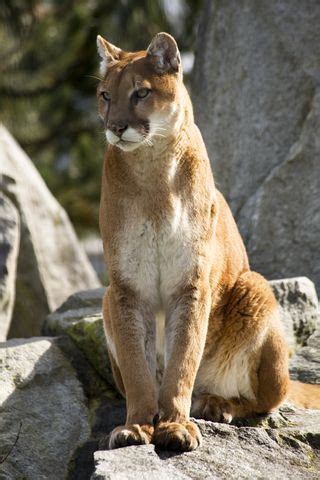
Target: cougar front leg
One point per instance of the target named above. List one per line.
(126, 330)
(185, 337)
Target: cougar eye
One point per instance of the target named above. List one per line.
(105, 96)
(143, 92)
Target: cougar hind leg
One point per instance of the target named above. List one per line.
(247, 372)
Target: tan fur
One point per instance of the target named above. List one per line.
(303, 395)
(171, 245)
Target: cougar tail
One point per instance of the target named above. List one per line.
(304, 395)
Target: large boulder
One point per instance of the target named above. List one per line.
(44, 417)
(51, 263)
(256, 96)
(9, 245)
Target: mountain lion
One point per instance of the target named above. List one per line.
(172, 246)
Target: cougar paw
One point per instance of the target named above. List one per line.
(179, 437)
(213, 408)
(126, 435)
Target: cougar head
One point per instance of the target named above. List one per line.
(139, 94)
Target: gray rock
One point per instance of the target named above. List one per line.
(43, 412)
(84, 299)
(299, 306)
(9, 244)
(305, 365)
(106, 410)
(227, 452)
(51, 264)
(84, 325)
(136, 463)
(256, 96)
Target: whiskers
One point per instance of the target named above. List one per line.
(144, 138)
(147, 141)
(94, 77)
(159, 129)
(159, 135)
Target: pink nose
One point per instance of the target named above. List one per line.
(117, 129)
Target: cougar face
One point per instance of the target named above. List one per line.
(138, 97)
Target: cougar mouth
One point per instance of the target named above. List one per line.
(129, 140)
(128, 144)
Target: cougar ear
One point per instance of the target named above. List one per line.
(107, 52)
(164, 53)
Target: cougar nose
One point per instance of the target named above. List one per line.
(118, 129)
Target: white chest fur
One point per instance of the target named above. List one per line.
(155, 259)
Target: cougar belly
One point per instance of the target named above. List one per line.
(227, 374)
